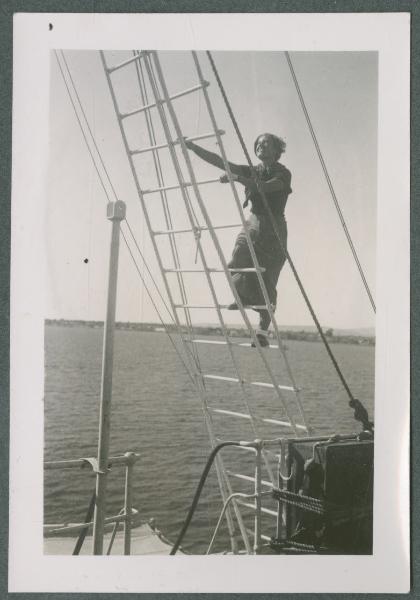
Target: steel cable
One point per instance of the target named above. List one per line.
(81, 126)
(328, 179)
(155, 306)
(277, 233)
(115, 195)
(88, 126)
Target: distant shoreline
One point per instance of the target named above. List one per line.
(297, 334)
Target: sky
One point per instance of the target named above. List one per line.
(340, 92)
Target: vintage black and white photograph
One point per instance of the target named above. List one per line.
(211, 307)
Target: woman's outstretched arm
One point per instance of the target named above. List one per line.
(211, 157)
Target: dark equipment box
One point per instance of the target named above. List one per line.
(342, 495)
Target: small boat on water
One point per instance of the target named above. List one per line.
(283, 488)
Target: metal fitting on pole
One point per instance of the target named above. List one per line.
(115, 213)
(257, 492)
(131, 459)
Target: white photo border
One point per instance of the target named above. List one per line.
(387, 571)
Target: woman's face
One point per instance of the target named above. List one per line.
(266, 150)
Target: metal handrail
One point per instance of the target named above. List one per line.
(222, 514)
(256, 496)
(114, 461)
(126, 514)
(258, 446)
(73, 527)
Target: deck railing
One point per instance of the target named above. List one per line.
(282, 448)
(126, 514)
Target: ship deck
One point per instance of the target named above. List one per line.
(144, 540)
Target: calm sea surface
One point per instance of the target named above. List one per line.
(157, 414)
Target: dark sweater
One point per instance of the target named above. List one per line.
(276, 200)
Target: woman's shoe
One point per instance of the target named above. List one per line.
(263, 340)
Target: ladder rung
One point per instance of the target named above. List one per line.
(212, 270)
(162, 189)
(231, 413)
(173, 97)
(247, 270)
(253, 306)
(217, 342)
(171, 231)
(125, 62)
(137, 110)
(190, 90)
(221, 378)
(184, 271)
(194, 138)
(224, 343)
(204, 136)
(277, 422)
(248, 345)
(150, 148)
(267, 511)
(286, 388)
(284, 424)
(245, 416)
(266, 538)
(195, 305)
(248, 478)
(221, 306)
(178, 186)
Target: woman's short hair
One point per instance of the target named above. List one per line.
(279, 143)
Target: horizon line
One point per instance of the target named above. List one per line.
(370, 328)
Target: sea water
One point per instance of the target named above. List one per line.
(156, 413)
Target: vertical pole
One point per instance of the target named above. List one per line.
(115, 213)
(279, 528)
(288, 486)
(281, 515)
(128, 501)
(257, 492)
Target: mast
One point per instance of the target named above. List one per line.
(115, 213)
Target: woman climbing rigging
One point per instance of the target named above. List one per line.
(274, 180)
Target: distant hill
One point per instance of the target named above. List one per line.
(305, 332)
(361, 331)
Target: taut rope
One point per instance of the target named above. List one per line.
(327, 177)
(93, 142)
(353, 401)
